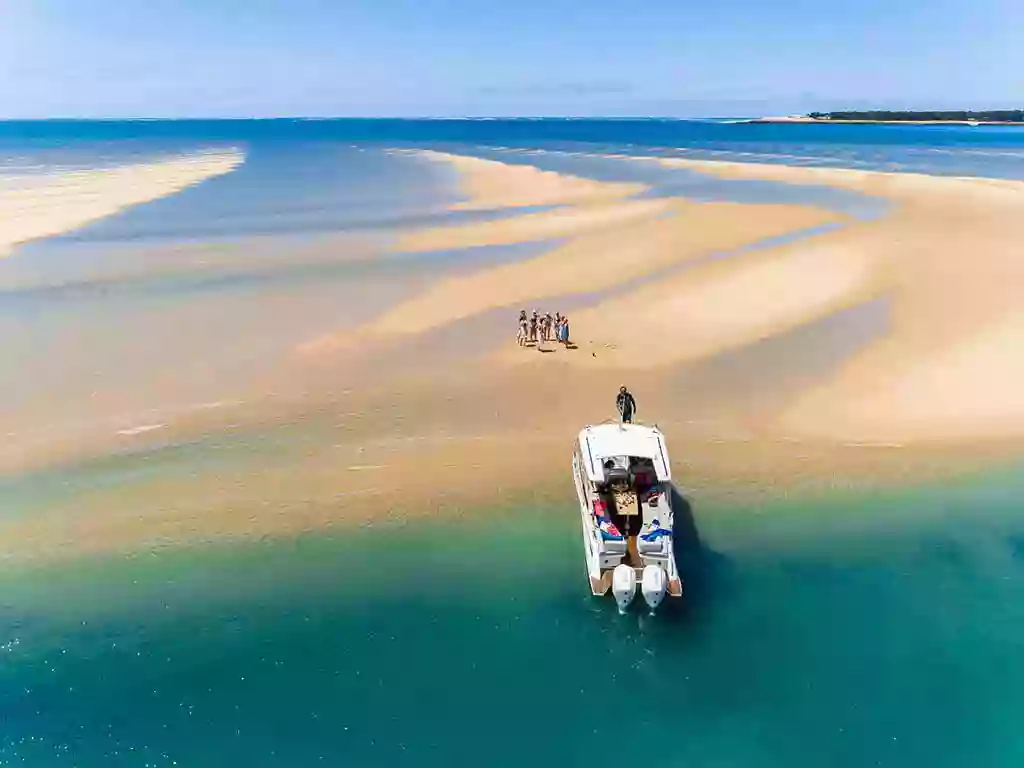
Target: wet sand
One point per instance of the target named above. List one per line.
(430, 405)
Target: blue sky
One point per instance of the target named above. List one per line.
(149, 58)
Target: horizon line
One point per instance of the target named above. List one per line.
(371, 117)
(327, 118)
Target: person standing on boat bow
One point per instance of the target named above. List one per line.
(626, 405)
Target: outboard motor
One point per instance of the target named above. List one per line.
(623, 586)
(654, 585)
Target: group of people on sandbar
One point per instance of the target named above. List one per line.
(538, 328)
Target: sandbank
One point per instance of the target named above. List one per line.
(701, 312)
(604, 245)
(948, 258)
(669, 294)
(546, 225)
(34, 206)
(493, 184)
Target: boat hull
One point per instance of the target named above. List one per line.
(601, 564)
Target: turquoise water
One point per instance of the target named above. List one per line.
(865, 630)
(845, 630)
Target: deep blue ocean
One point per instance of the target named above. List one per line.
(981, 150)
(843, 629)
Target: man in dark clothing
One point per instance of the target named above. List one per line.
(626, 405)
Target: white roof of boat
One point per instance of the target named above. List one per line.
(604, 441)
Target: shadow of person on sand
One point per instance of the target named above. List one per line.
(703, 571)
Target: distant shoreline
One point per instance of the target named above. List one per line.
(825, 120)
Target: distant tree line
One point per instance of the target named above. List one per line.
(990, 116)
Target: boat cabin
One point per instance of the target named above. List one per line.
(623, 469)
(610, 452)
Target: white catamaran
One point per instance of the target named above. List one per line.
(623, 479)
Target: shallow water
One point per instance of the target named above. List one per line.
(187, 300)
(846, 630)
(814, 632)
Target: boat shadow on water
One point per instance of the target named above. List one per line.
(703, 571)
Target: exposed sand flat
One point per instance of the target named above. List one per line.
(608, 243)
(949, 258)
(935, 375)
(492, 184)
(547, 225)
(714, 307)
(966, 388)
(33, 206)
(590, 262)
